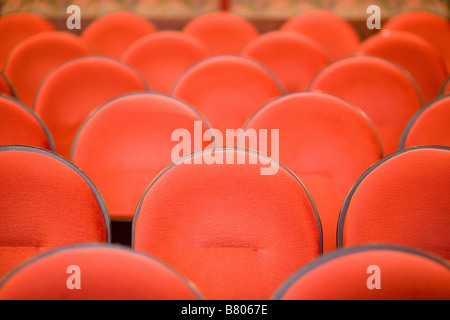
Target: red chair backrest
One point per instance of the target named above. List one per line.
(292, 57)
(414, 54)
(95, 272)
(125, 144)
(431, 26)
(370, 273)
(75, 89)
(237, 234)
(6, 87)
(227, 89)
(327, 142)
(386, 93)
(222, 32)
(19, 125)
(16, 27)
(34, 58)
(162, 57)
(114, 32)
(403, 200)
(46, 202)
(336, 36)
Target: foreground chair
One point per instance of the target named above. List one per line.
(376, 272)
(95, 272)
(403, 200)
(235, 232)
(46, 202)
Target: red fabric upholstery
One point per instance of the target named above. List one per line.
(105, 273)
(16, 27)
(432, 27)
(430, 126)
(401, 200)
(76, 88)
(227, 89)
(162, 57)
(336, 36)
(128, 141)
(46, 203)
(113, 33)
(34, 58)
(327, 142)
(223, 32)
(235, 233)
(404, 274)
(445, 87)
(19, 125)
(382, 90)
(414, 54)
(5, 86)
(292, 57)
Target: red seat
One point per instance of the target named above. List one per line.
(432, 27)
(292, 57)
(402, 200)
(19, 125)
(327, 142)
(73, 90)
(34, 58)
(46, 202)
(222, 32)
(370, 273)
(125, 144)
(162, 57)
(237, 234)
(336, 36)
(6, 87)
(382, 90)
(414, 54)
(227, 89)
(103, 272)
(113, 33)
(16, 27)
(430, 125)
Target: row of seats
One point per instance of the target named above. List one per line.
(326, 141)
(78, 273)
(219, 222)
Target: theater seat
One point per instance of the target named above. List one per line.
(222, 32)
(414, 54)
(19, 125)
(125, 143)
(113, 33)
(34, 58)
(233, 231)
(336, 36)
(95, 272)
(163, 56)
(375, 272)
(292, 57)
(430, 125)
(16, 27)
(327, 142)
(401, 200)
(385, 92)
(432, 27)
(227, 89)
(46, 202)
(75, 89)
